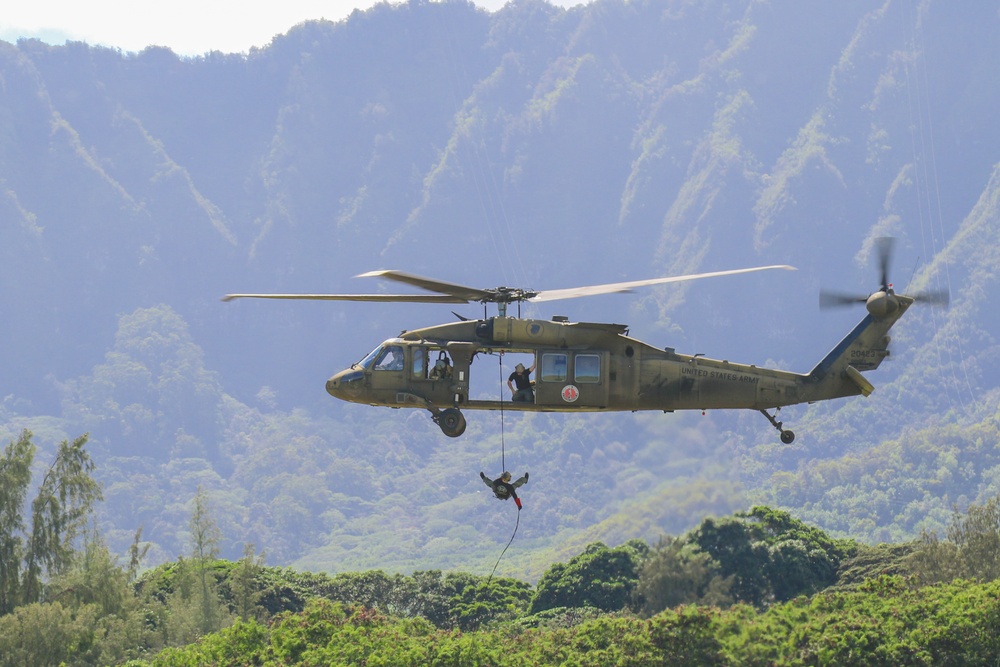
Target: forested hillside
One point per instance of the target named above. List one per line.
(536, 147)
(755, 588)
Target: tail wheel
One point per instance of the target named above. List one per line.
(786, 436)
(452, 422)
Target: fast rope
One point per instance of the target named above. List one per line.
(503, 453)
(503, 466)
(518, 523)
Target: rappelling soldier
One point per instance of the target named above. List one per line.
(503, 488)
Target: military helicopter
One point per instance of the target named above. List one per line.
(590, 367)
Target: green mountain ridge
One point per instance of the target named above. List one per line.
(536, 147)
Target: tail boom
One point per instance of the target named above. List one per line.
(863, 349)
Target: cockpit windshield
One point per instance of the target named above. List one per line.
(369, 358)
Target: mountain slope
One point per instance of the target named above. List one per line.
(535, 147)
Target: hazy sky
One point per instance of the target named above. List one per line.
(189, 27)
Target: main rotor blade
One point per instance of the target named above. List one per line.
(610, 288)
(462, 292)
(454, 293)
(395, 298)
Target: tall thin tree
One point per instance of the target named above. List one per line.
(205, 537)
(15, 477)
(59, 515)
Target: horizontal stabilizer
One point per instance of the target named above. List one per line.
(857, 378)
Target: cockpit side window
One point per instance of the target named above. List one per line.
(390, 359)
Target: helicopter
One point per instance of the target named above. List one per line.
(593, 367)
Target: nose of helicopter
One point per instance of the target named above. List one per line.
(346, 385)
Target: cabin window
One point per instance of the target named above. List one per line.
(554, 367)
(419, 362)
(587, 368)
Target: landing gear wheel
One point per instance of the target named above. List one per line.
(787, 437)
(452, 422)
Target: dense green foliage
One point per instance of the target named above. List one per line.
(814, 600)
(884, 623)
(600, 577)
(899, 488)
(769, 555)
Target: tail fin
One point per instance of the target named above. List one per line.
(861, 350)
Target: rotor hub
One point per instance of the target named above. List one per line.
(506, 295)
(882, 303)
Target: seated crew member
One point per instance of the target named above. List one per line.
(503, 488)
(522, 378)
(442, 368)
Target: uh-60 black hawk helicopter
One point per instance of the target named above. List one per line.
(591, 367)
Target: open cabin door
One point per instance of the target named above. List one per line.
(569, 379)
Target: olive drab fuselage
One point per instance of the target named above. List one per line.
(582, 366)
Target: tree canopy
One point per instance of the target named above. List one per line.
(45, 545)
(818, 599)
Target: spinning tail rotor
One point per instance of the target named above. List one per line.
(884, 301)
